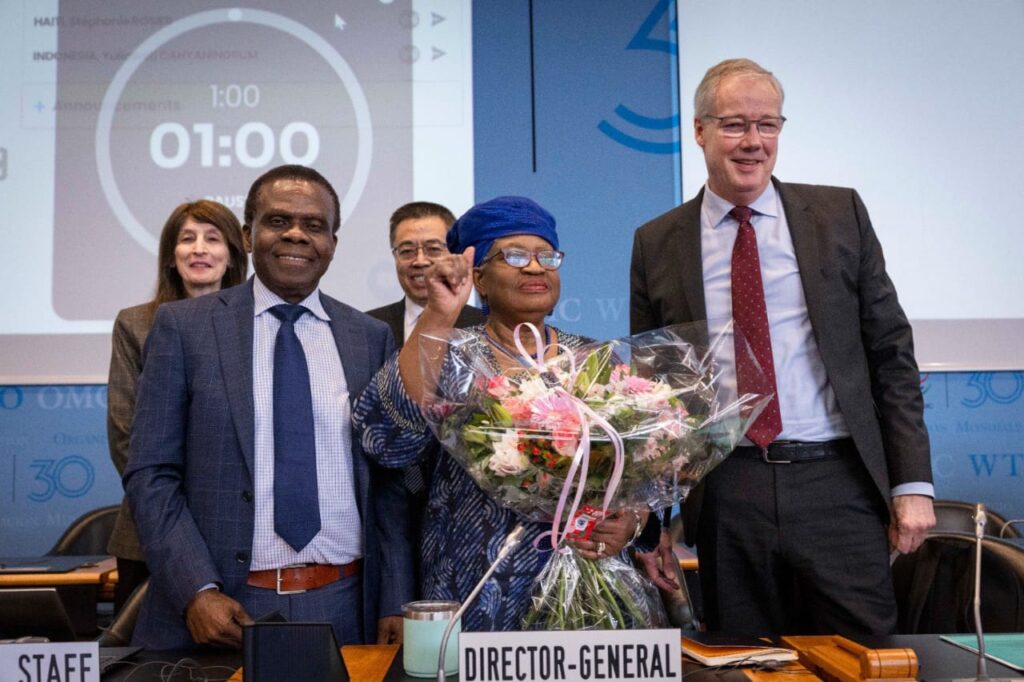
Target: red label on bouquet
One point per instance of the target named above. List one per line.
(584, 521)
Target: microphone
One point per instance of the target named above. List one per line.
(510, 543)
(980, 521)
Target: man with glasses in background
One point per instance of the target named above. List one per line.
(417, 232)
(794, 529)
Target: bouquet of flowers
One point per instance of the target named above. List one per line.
(628, 424)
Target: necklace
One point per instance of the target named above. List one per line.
(515, 356)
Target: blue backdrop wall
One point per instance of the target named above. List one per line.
(575, 106)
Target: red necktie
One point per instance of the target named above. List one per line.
(751, 317)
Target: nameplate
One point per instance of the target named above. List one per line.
(572, 656)
(54, 662)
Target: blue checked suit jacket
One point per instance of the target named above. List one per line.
(189, 478)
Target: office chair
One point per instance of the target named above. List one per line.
(685, 607)
(679, 605)
(88, 534)
(935, 585)
(953, 516)
(120, 631)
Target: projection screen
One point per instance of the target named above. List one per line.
(114, 112)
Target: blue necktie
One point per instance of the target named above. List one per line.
(296, 499)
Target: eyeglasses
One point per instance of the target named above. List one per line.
(407, 251)
(520, 258)
(737, 126)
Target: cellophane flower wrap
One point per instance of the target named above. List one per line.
(627, 424)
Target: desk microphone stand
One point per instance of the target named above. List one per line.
(980, 520)
(513, 539)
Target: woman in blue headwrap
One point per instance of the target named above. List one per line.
(508, 249)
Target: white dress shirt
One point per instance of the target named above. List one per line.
(807, 403)
(413, 311)
(340, 538)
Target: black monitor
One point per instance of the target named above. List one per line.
(284, 652)
(35, 612)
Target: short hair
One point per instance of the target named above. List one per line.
(419, 209)
(169, 284)
(290, 172)
(704, 97)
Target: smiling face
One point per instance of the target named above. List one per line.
(290, 237)
(201, 257)
(417, 232)
(740, 168)
(517, 295)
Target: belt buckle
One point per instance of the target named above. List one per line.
(277, 585)
(768, 460)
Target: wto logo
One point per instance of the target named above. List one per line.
(643, 40)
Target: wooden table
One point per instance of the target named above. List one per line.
(364, 662)
(939, 660)
(687, 559)
(100, 573)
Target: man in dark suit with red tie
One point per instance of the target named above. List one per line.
(794, 529)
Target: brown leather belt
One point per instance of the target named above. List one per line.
(793, 452)
(296, 579)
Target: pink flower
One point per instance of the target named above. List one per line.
(556, 412)
(632, 385)
(498, 386)
(566, 443)
(617, 372)
(519, 409)
(622, 382)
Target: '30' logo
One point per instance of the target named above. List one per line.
(1000, 393)
(70, 476)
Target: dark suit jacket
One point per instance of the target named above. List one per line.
(190, 476)
(394, 315)
(864, 337)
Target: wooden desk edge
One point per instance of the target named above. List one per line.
(687, 559)
(363, 662)
(89, 575)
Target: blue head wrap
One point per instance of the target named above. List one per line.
(500, 217)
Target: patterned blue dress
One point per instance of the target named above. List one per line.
(464, 527)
